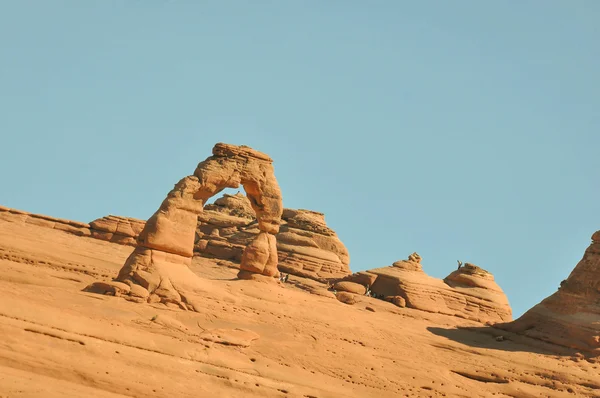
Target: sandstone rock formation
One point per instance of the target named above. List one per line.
(306, 246)
(121, 230)
(469, 292)
(309, 248)
(159, 263)
(350, 287)
(414, 258)
(116, 229)
(59, 342)
(19, 216)
(347, 298)
(571, 316)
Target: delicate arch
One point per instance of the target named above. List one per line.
(167, 240)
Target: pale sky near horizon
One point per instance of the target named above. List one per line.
(463, 130)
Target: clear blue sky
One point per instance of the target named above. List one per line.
(458, 129)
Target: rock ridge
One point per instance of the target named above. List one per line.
(469, 292)
(570, 317)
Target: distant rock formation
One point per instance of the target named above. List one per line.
(571, 316)
(469, 292)
(306, 246)
(159, 263)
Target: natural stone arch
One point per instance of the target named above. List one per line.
(157, 270)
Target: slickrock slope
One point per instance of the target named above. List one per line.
(121, 230)
(19, 216)
(469, 292)
(247, 338)
(306, 246)
(571, 316)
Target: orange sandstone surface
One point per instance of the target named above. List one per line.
(123, 307)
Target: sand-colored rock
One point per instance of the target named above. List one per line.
(258, 254)
(571, 316)
(350, 287)
(225, 228)
(232, 205)
(469, 292)
(254, 276)
(20, 216)
(111, 288)
(306, 246)
(398, 301)
(13, 217)
(122, 230)
(79, 231)
(42, 222)
(58, 341)
(347, 298)
(363, 278)
(232, 337)
(165, 245)
(408, 265)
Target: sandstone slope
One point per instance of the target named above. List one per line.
(247, 339)
(571, 316)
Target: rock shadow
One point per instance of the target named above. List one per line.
(492, 338)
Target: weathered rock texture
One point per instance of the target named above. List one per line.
(306, 246)
(469, 292)
(19, 216)
(571, 316)
(123, 230)
(159, 263)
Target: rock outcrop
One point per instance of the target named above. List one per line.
(310, 248)
(469, 292)
(571, 316)
(165, 246)
(116, 229)
(121, 230)
(19, 216)
(306, 246)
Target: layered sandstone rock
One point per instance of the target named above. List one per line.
(350, 287)
(306, 246)
(19, 216)
(159, 263)
(123, 230)
(469, 292)
(309, 248)
(571, 316)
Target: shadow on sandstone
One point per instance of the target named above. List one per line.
(489, 337)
